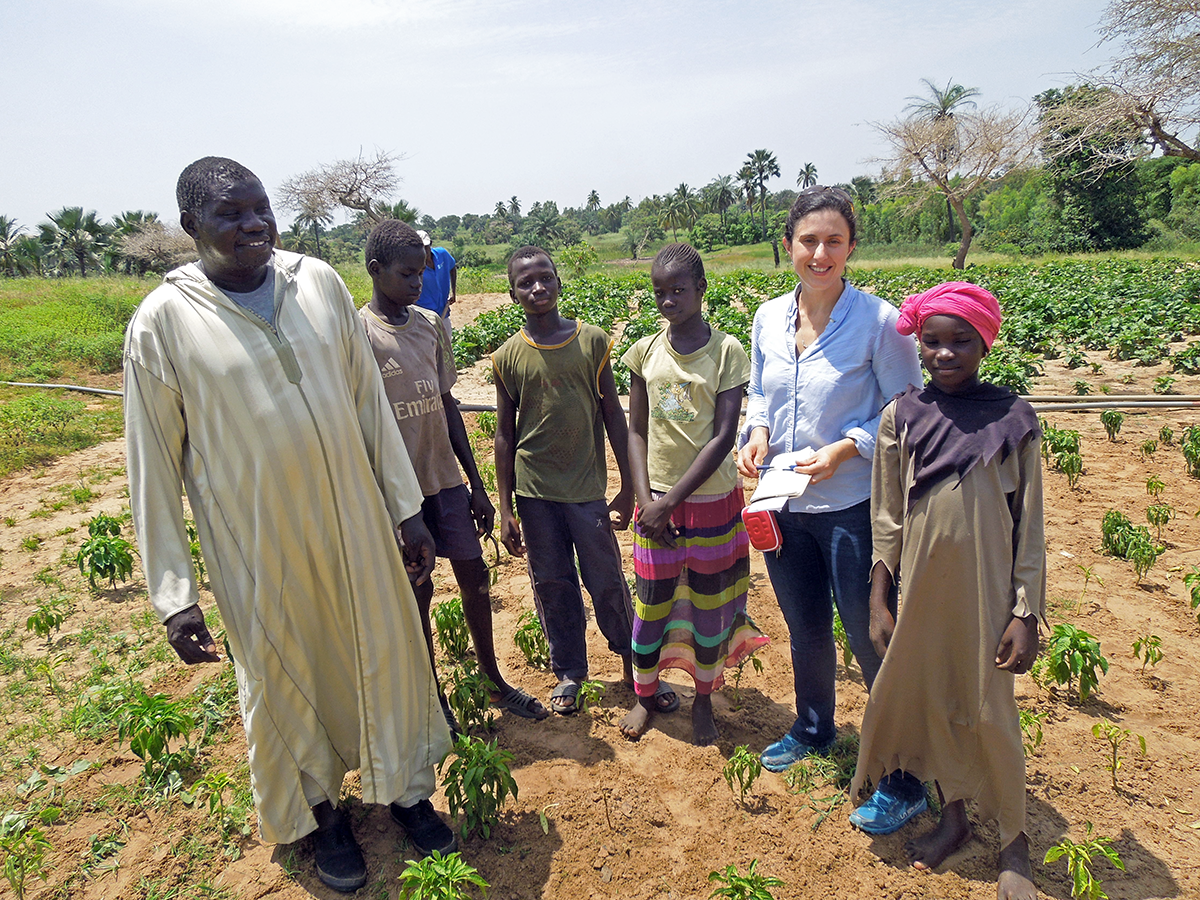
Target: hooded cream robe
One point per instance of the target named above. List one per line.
(971, 557)
(297, 478)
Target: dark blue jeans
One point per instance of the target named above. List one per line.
(824, 556)
(555, 534)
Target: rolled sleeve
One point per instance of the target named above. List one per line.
(863, 439)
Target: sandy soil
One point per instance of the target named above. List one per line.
(652, 819)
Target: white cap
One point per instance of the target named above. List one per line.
(424, 235)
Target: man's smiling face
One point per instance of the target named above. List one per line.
(235, 233)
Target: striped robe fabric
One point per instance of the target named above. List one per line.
(690, 611)
(297, 478)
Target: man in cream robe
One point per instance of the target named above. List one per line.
(297, 478)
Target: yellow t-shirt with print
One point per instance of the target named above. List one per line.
(682, 393)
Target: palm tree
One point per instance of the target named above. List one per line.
(941, 102)
(807, 177)
(688, 203)
(295, 239)
(514, 208)
(314, 219)
(749, 186)
(593, 201)
(501, 210)
(764, 165)
(402, 210)
(669, 214)
(75, 236)
(11, 262)
(542, 225)
(124, 226)
(940, 107)
(862, 189)
(721, 193)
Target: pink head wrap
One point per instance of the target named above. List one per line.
(954, 298)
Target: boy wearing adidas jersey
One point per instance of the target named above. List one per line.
(417, 366)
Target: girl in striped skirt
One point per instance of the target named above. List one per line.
(691, 553)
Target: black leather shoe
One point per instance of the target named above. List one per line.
(425, 828)
(340, 862)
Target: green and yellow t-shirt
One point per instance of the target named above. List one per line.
(560, 430)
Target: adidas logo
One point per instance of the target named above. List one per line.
(391, 367)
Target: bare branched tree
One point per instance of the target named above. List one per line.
(1151, 90)
(155, 247)
(954, 156)
(360, 184)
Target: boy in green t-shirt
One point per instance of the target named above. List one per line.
(555, 400)
(413, 354)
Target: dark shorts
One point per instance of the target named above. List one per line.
(447, 515)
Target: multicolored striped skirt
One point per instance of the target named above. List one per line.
(690, 610)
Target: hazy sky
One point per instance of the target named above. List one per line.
(108, 100)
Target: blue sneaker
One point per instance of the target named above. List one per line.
(785, 753)
(883, 813)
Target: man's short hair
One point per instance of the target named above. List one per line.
(202, 179)
(389, 239)
(528, 252)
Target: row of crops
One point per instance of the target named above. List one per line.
(1133, 309)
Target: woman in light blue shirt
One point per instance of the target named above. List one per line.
(826, 357)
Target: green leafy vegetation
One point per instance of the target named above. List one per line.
(842, 639)
(736, 886)
(1192, 581)
(229, 805)
(1115, 736)
(1189, 443)
(150, 722)
(531, 640)
(1031, 729)
(24, 846)
(1159, 515)
(752, 661)
(450, 623)
(1121, 538)
(477, 784)
(1070, 654)
(105, 554)
(1063, 446)
(1084, 885)
(469, 696)
(48, 617)
(741, 769)
(1112, 419)
(1148, 648)
(438, 877)
(590, 694)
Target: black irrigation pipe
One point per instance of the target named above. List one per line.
(66, 387)
(1102, 398)
(1117, 404)
(1041, 404)
(1044, 403)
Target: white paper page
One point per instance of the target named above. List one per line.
(780, 480)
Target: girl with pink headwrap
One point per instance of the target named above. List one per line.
(956, 502)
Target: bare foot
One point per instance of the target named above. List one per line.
(931, 849)
(637, 721)
(1016, 876)
(704, 728)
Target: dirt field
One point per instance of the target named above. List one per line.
(652, 819)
